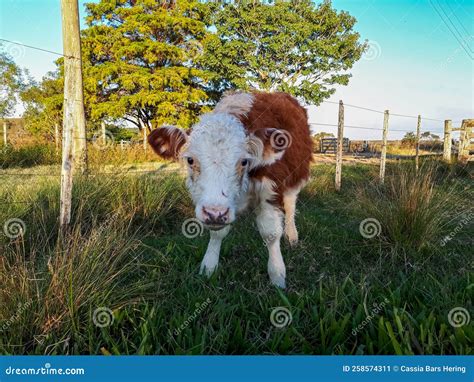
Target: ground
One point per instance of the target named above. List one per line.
(125, 279)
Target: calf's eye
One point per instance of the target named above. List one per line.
(190, 161)
(244, 162)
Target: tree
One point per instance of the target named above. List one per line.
(44, 102)
(292, 46)
(138, 60)
(409, 139)
(11, 82)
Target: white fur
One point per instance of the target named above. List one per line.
(236, 104)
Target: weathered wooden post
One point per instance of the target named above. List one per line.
(340, 141)
(448, 127)
(465, 140)
(56, 137)
(383, 154)
(74, 141)
(121, 144)
(104, 133)
(417, 148)
(5, 128)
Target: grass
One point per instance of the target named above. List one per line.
(126, 253)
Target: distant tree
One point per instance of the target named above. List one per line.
(293, 46)
(139, 61)
(323, 134)
(409, 139)
(44, 102)
(11, 82)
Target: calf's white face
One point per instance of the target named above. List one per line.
(218, 161)
(218, 155)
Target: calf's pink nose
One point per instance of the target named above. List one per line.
(215, 215)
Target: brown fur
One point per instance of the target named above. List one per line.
(283, 112)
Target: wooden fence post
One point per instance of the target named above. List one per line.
(104, 133)
(5, 127)
(56, 137)
(145, 140)
(383, 154)
(417, 152)
(74, 129)
(465, 140)
(340, 141)
(121, 144)
(448, 126)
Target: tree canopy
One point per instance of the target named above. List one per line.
(153, 62)
(292, 46)
(138, 61)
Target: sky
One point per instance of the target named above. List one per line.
(419, 60)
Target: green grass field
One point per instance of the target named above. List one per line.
(391, 294)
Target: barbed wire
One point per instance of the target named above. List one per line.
(37, 48)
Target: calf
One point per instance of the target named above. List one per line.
(254, 150)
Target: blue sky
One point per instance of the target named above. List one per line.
(415, 65)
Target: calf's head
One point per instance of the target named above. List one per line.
(218, 155)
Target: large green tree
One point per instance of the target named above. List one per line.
(293, 46)
(138, 61)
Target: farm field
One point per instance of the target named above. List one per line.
(125, 279)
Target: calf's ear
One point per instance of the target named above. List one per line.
(167, 141)
(268, 145)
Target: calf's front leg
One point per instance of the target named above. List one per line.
(211, 258)
(269, 222)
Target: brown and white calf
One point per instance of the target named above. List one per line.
(254, 150)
